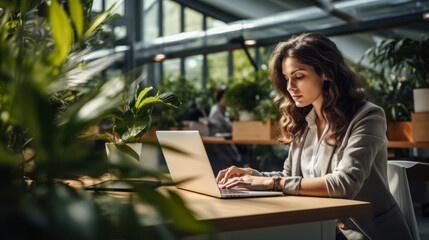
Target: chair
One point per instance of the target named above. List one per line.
(398, 184)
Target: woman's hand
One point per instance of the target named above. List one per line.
(250, 182)
(224, 175)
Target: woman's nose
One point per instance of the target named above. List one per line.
(290, 85)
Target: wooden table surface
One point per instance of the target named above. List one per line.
(248, 213)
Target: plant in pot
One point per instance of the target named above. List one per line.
(243, 98)
(404, 61)
(133, 119)
(35, 202)
(254, 97)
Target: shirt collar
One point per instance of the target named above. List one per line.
(311, 118)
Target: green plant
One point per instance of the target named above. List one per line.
(165, 117)
(399, 65)
(402, 59)
(393, 96)
(134, 118)
(244, 95)
(44, 111)
(254, 94)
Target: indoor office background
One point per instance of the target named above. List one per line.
(213, 43)
(189, 48)
(204, 42)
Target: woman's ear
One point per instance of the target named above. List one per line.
(324, 77)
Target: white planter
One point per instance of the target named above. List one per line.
(137, 147)
(148, 159)
(244, 115)
(421, 100)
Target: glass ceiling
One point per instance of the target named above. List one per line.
(341, 17)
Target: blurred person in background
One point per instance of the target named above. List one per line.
(221, 155)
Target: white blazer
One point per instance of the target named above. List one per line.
(357, 169)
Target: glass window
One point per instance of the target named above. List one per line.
(242, 65)
(120, 32)
(97, 6)
(194, 70)
(171, 17)
(119, 7)
(193, 20)
(150, 20)
(265, 55)
(218, 67)
(171, 68)
(212, 22)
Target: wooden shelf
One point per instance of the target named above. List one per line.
(406, 144)
(391, 144)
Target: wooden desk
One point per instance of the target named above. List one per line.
(390, 144)
(297, 217)
(248, 213)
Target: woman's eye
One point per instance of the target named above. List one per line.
(299, 77)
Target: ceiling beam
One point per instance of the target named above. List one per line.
(328, 7)
(210, 10)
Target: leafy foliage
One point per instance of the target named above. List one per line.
(402, 59)
(393, 96)
(399, 65)
(165, 117)
(254, 94)
(136, 119)
(49, 100)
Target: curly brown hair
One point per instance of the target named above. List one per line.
(342, 95)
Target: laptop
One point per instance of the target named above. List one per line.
(189, 165)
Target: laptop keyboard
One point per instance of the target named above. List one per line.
(232, 191)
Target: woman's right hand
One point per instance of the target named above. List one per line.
(233, 171)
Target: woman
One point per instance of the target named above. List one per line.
(338, 145)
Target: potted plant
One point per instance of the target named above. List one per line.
(253, 97)
(133, 120)
(243, 97)
(405, 61)
(40, 111)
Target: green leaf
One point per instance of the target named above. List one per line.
(76, 12)
(98, 21)
(61, 31)
(142, 94)
(133, 132)
(170, 99)
(127, 150)
(146, 101)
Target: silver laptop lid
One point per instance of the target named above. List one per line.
(190, 162)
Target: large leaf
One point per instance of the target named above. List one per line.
(79, 76)
(106, 100)
(134, 132)
(76, 12)
(61, 31)
(142, 94)
(172, 207)
(145, 102)
(98, 21)
(170, 99)
(127, 150)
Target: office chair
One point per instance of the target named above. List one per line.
(398, 184)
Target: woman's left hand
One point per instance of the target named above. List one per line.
(250, 182)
